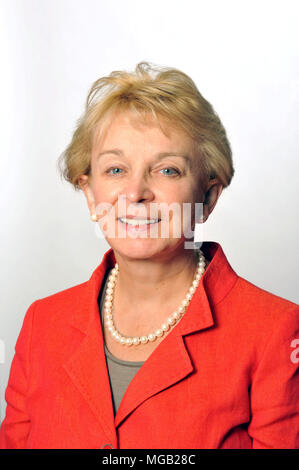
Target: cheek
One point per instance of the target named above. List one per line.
(179, 193)
(186, 195)
(103, 193)
(196, 194)
(189, 199)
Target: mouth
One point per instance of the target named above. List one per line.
(138, 223)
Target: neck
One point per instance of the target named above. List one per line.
(152, 283)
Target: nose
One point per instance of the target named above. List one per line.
(138, 189)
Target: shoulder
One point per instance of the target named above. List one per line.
(262, 309)
(64, 297)
(57, 309)
(256, 323)
(257, 297)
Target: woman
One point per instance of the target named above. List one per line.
(164, 346)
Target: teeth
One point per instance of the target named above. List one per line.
(138, 221)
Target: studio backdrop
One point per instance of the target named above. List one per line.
(244, 59)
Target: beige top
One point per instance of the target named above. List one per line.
(120, 372)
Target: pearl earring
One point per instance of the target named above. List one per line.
(94, 217)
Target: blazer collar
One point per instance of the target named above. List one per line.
(217, 280)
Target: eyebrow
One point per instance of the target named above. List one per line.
(159, 156)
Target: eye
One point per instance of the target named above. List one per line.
(113, 168)
(177, 172)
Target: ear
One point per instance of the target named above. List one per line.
(84, 183)
(212, 195)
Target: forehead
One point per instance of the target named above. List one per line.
(128, 130)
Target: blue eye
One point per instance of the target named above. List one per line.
(173, 169)
(114, 168)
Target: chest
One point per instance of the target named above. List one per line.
(130, 353)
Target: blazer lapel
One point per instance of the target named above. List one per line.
(87, 366)
(170, 361)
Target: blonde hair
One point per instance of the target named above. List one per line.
(162, 92)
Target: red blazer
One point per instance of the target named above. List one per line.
(226, 376)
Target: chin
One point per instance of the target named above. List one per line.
(138, 248)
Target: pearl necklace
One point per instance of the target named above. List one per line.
(170, 322)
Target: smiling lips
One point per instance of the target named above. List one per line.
(137, 222)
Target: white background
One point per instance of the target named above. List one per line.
(243, 56)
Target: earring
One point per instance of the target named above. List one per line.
(94, 217)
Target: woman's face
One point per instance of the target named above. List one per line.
(134, 168)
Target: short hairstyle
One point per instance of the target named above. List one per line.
(161, 92)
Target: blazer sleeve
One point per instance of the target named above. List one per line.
(275, 388)
(15, 427)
